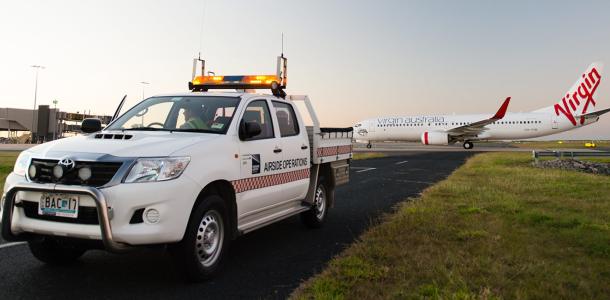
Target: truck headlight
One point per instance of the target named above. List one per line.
(21, 165)
(157, 169)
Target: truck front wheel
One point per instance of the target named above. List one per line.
(314, 218)
(199, 254)
(54, 252)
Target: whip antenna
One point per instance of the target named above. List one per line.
(201, 28)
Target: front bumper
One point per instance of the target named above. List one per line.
(114, 207)
(100, 203)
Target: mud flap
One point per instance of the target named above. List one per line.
(313, 181)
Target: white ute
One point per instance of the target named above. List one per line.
(190, 171)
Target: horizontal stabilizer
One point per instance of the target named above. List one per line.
(596, 113)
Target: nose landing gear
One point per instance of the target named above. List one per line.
(369, 146)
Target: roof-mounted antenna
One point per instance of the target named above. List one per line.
(195, 62)
(277, 89)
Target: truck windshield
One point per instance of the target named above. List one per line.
(208, 114)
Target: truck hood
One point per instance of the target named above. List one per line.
(121, 144)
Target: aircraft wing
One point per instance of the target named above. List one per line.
(476, 128)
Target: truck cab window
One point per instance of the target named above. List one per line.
(209, 114)
(286, 119)
(258, 111)
(153, 116)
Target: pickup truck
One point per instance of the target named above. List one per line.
(187, 171)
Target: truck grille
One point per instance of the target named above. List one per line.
(101, 172)
(86, 215)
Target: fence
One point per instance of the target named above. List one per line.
(570, 154)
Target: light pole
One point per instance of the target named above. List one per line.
(37, 67)
(144, 84)
(55, 123)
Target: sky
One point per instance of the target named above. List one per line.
(355, 59)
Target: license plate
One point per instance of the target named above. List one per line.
(59, 205)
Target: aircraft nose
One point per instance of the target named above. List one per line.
(360, 129)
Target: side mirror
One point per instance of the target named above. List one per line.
(91, 125)
(249, 129)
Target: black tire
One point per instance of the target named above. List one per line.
(199, 255)
(468, 145)
(369, 146)
(54, 252)
(315, 217)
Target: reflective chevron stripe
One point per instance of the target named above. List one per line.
(333, 151)
(259, 182)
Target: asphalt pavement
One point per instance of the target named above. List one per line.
(268, 263)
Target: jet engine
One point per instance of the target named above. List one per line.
(435, 138)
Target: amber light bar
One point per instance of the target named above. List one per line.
(235, 82)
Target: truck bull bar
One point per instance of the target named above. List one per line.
(103, 213)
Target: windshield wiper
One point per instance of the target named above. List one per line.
(194, 130)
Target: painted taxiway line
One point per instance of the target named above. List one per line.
(362, 169)
(8, 245)
(401, 162)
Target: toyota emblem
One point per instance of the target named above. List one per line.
(67, 163)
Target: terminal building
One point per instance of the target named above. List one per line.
(45, 123)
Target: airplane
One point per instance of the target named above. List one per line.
(574, 110)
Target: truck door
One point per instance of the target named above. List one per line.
(259, 157)
(295, 150)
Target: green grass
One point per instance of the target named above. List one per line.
(367, 155)
(496, 228)
(7, 161)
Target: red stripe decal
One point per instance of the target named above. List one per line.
(426, 138)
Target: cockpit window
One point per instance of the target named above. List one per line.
(197, 114)
(357, 125)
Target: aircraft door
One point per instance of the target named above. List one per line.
(554, 122)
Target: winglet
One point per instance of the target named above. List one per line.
(502, 111)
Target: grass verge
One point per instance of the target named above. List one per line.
(367, 155)
(496, 228)
(7, 161)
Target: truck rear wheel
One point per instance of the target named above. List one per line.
(51, 251)
(199, 254)
(315, 217)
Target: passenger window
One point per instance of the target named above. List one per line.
(258, 111)
(286, 119)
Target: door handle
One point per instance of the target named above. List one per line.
(277, 150)
(303, 147)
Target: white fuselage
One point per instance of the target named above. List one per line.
(574, 110)
(512, 126)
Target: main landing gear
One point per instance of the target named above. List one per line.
(468, 145)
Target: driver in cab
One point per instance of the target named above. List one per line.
(192, 113)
